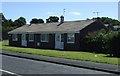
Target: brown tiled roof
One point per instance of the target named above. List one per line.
(70, 26)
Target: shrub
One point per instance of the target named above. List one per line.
(102, 42)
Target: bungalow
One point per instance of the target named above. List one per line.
(64, 35)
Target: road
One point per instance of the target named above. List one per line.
(25, 66)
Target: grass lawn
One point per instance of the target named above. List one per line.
(100, 58)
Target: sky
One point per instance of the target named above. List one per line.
(119, 11)
(73, 10)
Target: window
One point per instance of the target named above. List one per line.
(44, 37)
(31, 37)
(14, 37)
(70, 38)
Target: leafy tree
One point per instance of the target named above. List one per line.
(35, 20)
(107, 20)
(2, 17)
(52, 19)
(40, 21)
(20, 22)
(47, 20)
(7, 23)
(7, 26)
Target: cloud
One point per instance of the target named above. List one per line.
(74, 13)
(49, 12)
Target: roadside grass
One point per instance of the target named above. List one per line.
(86, 56)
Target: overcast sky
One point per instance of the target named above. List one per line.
(73, 10)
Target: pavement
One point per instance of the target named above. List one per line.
(76, 63)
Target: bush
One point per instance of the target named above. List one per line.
(102, 42)
(115, 45)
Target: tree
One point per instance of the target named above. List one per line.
(107, 20)
(52, 19)
(40, 21)
(2, 17)
(7, 23)
(47, 20)
(20, 22)
(7, 26)
(35, 20)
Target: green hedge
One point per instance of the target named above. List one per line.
(103, 42)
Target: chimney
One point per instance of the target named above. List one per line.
(61, 19)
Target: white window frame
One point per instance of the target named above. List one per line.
(70, 35)
(31, 35)
(46, 38)
(14, 37)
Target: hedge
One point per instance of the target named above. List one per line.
(102, 42)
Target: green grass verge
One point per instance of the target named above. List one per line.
(86, 56)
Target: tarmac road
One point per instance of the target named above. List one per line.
(14, 65)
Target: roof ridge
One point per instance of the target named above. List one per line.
(80, 20)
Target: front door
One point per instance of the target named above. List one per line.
(24, 41)
(59, 41)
